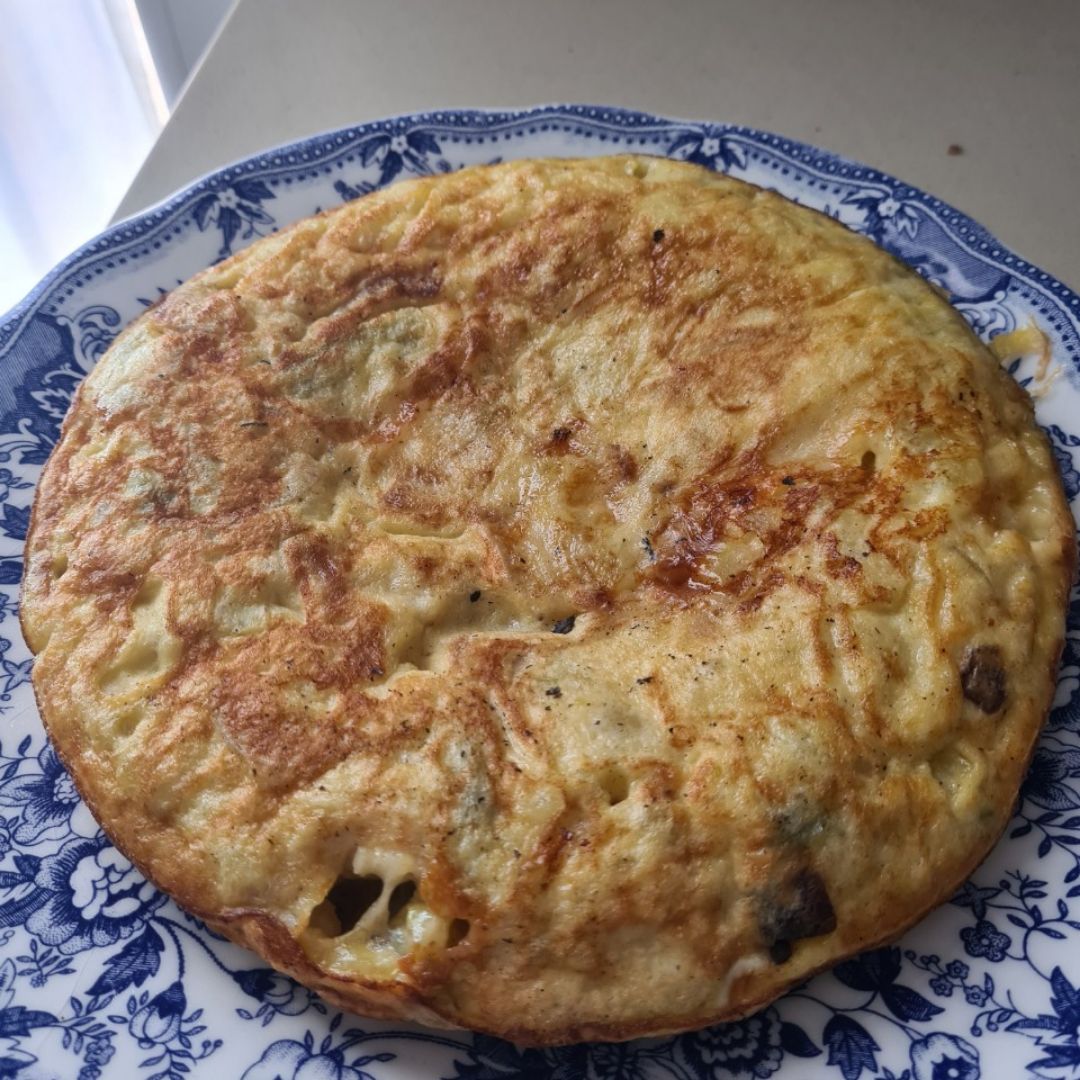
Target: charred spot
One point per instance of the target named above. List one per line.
(440, 372)
(317, 563)
(434, 378)
(675, 570)
(596, 600)
(626, 466)
(698, 525)
(644, 680)
(657, 236)
(564, 626)
(788, 481)
(799, 908)
(837, 563)
(426, 566)
(474, 596)
(648, 548)
(982, 675)
(748, 605)
(395, 283)
(412, 500)
(424, 285)
(559, 443)
(553, 691)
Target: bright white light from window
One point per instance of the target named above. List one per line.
(80, 106)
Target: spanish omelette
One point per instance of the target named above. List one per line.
(564, 599)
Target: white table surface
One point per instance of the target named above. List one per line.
(893, 84)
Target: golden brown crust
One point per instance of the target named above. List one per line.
(613, 591)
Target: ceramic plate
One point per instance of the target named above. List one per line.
(101, 976)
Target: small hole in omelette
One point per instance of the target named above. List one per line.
(148, 593)
(399, 899)
(616, 785)
(347, 902)
(953, 770)
(869, 461)
(278, 591)
(137, 661)
(127, 722)
(458, 932)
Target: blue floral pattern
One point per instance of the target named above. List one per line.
(331, 1059)
(45, 800)
(235, 210)
(159, 1024)
(88, 896)
(710, 146)
(751, 1047)
(101, 976)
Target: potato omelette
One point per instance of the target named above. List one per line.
(567, 599)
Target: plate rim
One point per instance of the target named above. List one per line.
(970, 230)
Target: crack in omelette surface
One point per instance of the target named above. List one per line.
(538, 598)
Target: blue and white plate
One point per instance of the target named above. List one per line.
(101, 976)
